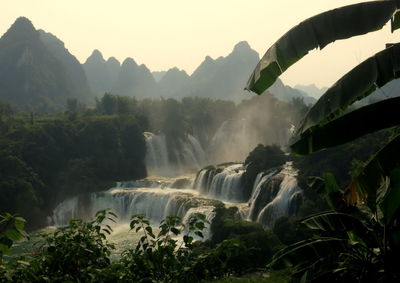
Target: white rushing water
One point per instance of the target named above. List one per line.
(154, 202)
(261, 179)
(285, 198)
(157, 160)
(274, 194)
(154, 199)
(225, 185)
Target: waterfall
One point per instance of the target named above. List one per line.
(274, 193)
(155, 201)
(280, 194)
(208, 211)
(197, 152)
(159, 162)
(66, 210)
(261, 179)
(222, 184)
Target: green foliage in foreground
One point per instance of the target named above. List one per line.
(273, 277)
(11, 230)
(80, 252)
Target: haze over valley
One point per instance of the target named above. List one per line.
(115, 169)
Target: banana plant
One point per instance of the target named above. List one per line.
(318, 32)
(360, 239)
(346, 249)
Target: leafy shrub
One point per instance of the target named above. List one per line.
(80, 252)
(11, 230)
(161, 257)
(227, 224)
(74, 253)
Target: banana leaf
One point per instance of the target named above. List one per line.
(365, 120)
(390, 203)
(312, 258)
(334, 222)
(307, 251)
(317, 32)
(380, 179)
(395, 22)
(374, 72)
(328, 188)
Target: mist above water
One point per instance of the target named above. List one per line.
(274, 194)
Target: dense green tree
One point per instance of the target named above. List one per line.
(57, 158)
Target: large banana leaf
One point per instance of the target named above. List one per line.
(374, 72)
(307, 251)
(334, 222)
(380, 180)
(314, 256)
(317, 32)
(362, 121)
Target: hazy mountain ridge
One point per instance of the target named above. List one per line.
(312, 90)
(37, 70)
(287, 93)
(225, 77)
(72, 66)
(34, 74)
(98, 73)
(135, 80)
(174, 83)
(221, 78)
(158, 75)
(128, 79)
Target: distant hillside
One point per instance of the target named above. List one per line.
(72, 66)
(225, 77)
(158, 75)
(221, 78)
(135, 80)
(98, 73)
(175, 83)
(287, 93)
(128, 79)
(312, 90)
(36, 70)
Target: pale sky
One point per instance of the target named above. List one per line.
(165, 33)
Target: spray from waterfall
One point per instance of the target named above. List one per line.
(163, 161)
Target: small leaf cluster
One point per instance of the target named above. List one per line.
(162, 257)
(11, 230)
